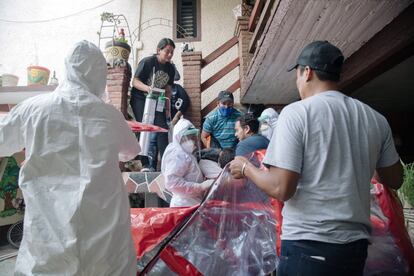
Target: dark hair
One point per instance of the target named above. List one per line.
(250, 120)
(225, 157)
(322, 75)
(164, 43)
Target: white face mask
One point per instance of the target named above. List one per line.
(188, 146)
(266, 131)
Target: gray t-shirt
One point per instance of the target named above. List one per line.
(334, 142)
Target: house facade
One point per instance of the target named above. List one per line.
(377, 40)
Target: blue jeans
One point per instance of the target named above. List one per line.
(158, 143)
(153, 151)
(304, 257)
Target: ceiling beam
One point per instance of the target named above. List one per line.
(389, 47)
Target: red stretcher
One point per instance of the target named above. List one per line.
(139, 127)
(231, 232)
(236, 230)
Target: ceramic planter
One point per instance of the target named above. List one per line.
(115, 50)
(37, 75)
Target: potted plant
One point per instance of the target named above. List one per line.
(118, 48)
(407, 189)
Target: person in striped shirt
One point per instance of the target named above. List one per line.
(219, 124)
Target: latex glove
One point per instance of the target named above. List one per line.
(205, 185)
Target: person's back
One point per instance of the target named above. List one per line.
(77, 217)
(342, 140)
(251, 144)
(320, 161)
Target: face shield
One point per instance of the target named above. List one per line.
(190, 141)
(265, 128)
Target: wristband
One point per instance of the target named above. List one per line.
(243, 168)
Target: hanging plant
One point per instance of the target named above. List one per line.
(407, 189)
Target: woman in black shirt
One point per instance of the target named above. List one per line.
(159, 63)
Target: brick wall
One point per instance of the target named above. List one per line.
(244, 37)
(117, 85)
(192, 83)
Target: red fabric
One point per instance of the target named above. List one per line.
(177, 263)
(393, 210)
(277, 206)
(149, 226)
(138, 127)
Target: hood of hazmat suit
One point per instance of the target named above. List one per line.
(268, 121)
(181, 170)
(77, 219)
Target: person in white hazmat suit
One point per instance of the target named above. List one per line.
(77, 219)
(268, 121)
(183, 176)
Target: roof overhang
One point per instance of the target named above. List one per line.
(350, 25)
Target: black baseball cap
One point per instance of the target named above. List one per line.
(321, 56)
(225, 96)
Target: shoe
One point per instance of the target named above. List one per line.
(145, 170)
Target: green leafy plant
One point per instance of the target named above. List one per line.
(114, 18)
(407, 189)
(121, 39)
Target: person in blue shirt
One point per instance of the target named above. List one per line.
(219, 124)
(247, 128)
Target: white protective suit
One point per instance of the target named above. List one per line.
(268, 118)
(183, 176)
(77, 219)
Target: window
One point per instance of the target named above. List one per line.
(187, 20)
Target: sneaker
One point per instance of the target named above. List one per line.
(145, 170)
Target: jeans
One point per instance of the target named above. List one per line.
(305, 257)
(158, 142)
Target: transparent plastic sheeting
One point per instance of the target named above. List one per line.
(233, 232)
(390, 251)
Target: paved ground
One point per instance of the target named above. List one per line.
(7, 265)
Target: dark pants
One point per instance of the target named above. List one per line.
(158, 141)
(304, 257)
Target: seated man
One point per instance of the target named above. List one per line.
(247, 128)
(219, 124)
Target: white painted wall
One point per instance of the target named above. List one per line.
(48, 42)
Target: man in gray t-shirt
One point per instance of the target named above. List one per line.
(321, 160)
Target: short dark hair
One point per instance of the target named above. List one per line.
(225, 157)
(250, 120)
(322, 75)
(164, 43)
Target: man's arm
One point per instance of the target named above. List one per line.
(140, 85)
(391, 176)
(277, 183)
(168, 93)
(11, 134)
(177, 117)
(204, 138)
